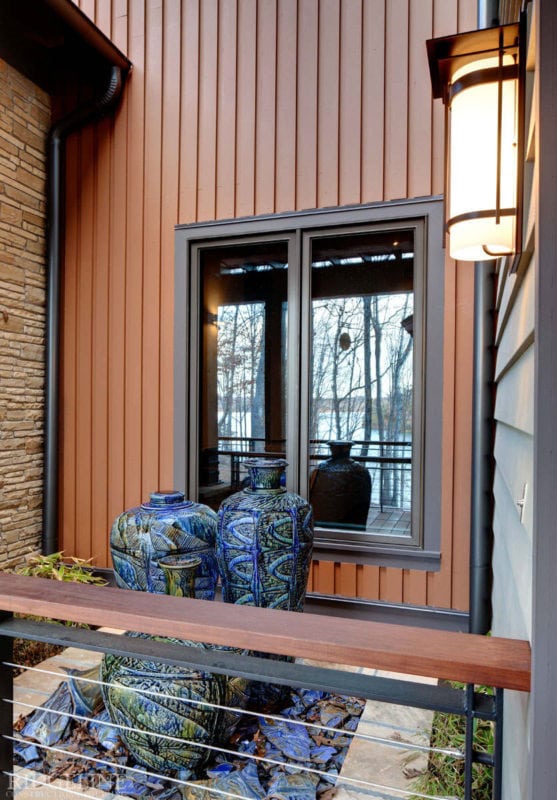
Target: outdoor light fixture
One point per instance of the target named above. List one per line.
(478, 76)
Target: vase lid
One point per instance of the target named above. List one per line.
(165, 498)
(180, 561)
(340, 447)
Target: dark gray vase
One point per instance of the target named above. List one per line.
(168, 525)
(264, 541)
(340, 488)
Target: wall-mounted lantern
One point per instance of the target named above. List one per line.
(478, 75)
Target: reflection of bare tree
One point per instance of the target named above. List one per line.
(377, 325)
(337, 377)
(362, 375)
(258, 401)
(368, 408)
(240, 364)
(227, 363)
(398, 346)
(322, 355)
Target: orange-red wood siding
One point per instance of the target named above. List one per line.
(235, 108)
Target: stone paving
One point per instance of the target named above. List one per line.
(388, 766)
(383, 764)
(34, 688)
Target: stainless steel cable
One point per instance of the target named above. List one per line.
(402, 745)
(310, 770)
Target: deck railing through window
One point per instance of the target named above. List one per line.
(326, 641)
(389, 464)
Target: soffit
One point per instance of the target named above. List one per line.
(52, 41)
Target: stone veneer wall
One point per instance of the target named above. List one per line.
(24, 123)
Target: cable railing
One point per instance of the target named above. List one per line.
(274, 752)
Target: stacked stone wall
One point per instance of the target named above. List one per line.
(24, 123)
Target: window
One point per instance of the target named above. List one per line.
(318, 337)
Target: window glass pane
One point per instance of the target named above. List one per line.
(362, 387)
(242, 372)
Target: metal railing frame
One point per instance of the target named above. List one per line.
(466, 703)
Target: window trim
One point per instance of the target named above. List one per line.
(297, 228)
(337, 539)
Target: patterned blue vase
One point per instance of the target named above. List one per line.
(168, 525)
(145, 698)
(264, 541)
(148, 699)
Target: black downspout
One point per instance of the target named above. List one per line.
(481, 531)
(58, 133)
(481, 536)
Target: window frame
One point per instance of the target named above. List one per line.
(425, 217)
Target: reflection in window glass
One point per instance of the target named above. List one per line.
(361, 403)
(241, 371)
(243, 357)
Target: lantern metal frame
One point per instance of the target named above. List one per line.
(446, 56)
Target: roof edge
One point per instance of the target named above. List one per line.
(86, 29)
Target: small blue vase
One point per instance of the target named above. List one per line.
(168, 525)
(264, 541)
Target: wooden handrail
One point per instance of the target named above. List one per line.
(470, 658)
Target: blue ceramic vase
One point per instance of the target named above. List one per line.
(153, 701)
(168, 525)
(161, 710)
(264, 541)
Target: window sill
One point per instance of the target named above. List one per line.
(377, 555)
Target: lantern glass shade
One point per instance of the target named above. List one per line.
(482, 196)
(480, 77)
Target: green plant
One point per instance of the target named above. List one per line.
(445, 775)
(57, 567)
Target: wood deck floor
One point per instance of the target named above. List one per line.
(393, 521)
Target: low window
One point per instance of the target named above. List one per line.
(306, 337)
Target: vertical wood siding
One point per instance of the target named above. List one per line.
(236, 108)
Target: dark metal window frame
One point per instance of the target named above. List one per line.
(298, 228)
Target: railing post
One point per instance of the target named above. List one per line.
(469, 743)
(6, 714)
(498, 746)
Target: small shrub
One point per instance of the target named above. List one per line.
(28, 652)
(60, 568)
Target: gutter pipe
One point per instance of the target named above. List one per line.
(481, 532)
(76, 119)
